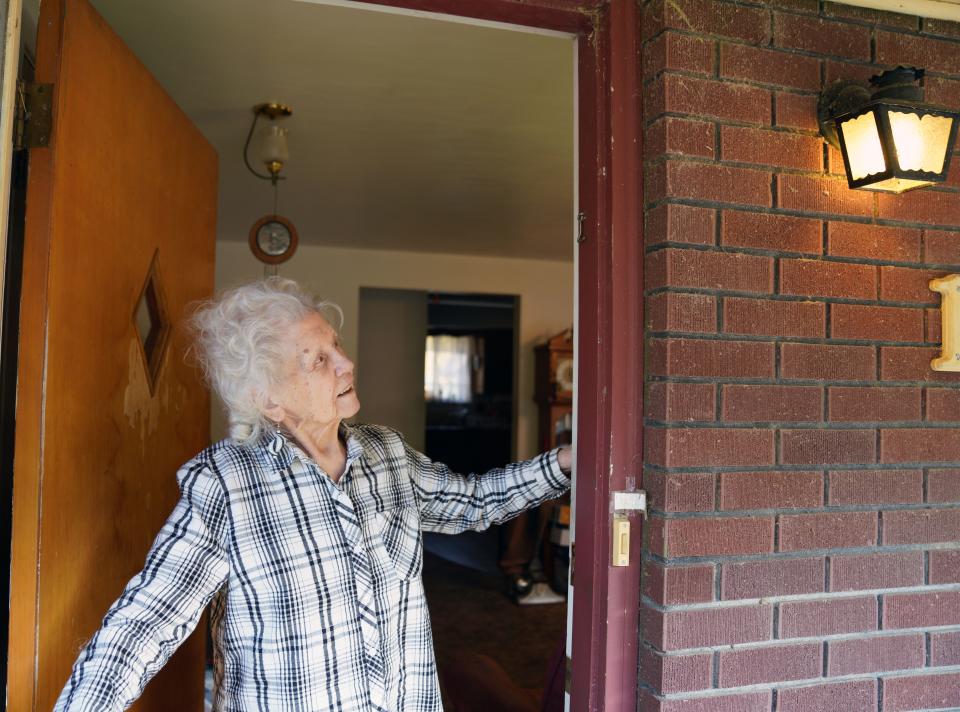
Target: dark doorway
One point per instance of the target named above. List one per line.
(469, 388)
(471, 403)
(471, 426)
(12, 283)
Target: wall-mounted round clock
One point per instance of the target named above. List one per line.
(273, 239)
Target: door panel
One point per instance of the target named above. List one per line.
(127, 189)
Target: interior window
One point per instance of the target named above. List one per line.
(453, 369)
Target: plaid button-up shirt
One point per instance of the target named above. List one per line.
(315, 588)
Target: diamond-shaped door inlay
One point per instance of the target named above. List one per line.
(151, 323)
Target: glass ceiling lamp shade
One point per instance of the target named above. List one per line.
(273, 152)
(890, 139)
(273, 148)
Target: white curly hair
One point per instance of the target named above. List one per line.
(241, 337)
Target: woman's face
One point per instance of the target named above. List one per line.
(316, 387)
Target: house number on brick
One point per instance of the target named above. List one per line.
(949, 288)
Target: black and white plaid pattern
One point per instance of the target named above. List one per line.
(315, 589)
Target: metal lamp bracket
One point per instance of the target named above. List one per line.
(845, 96)
(841, 97)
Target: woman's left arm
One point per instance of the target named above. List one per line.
(451, 503)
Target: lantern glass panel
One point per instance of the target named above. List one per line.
(862, 140)
(921, 141)
(274, 145)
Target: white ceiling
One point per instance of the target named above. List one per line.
(408, 132)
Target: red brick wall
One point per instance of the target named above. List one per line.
(802, 460)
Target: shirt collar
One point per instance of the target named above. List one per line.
(285, 449)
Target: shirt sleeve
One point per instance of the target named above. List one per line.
(160, 606)
(451, 503)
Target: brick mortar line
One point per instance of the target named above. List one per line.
(765, 338)
(821, 597)
(662, 159)
(654, 248)
(793, 424)
(809, 383)
(845, 467)
(799, 511)
(714, 514)
(789, 684)
(750, 381)
(777, 338)
(650, 79)
(837, 426)
(772, 87)
(782, 642)
(822, 256)
(650, 121)
(722, 559)
(788, 53)
(730, 334)
(833, 217)
(780, 297)
(659, 159)
(654, 468)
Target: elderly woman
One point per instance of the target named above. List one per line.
(302, 531)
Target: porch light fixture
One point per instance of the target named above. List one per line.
(273, 142)
(890, 139)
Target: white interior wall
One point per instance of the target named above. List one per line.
(389, 362)
(545, 289)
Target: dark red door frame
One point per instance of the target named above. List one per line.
(610, 328)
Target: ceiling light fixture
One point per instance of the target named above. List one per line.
(274, 152)
(273, 238)
(890, 139)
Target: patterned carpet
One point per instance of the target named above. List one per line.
(469, 612)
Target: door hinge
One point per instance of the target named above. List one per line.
(567, 673)
(581, 216)
(573, 548)
(33, 120)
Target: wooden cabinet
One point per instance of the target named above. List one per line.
(553, 391)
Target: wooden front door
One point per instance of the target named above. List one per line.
(120, 236)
